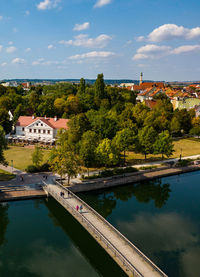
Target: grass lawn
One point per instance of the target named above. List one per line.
(187, 147)
(6, 176)
(21, 156)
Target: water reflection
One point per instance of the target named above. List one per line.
(144, 192)
(4, 221)
(86, 245)
(165, 237)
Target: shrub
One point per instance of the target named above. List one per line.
(31, 169)
(44, 167)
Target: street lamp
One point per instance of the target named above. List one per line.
(12, 165)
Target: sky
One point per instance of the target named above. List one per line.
(63, 39)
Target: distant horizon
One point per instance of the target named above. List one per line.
(93, 79)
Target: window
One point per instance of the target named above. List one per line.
(41, 124)
(30, 130)
(22, 128)
(39, 131)
(48, 131)
(36, 124)
(34, 130)
(43, 131)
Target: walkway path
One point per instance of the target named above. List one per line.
(120, 249)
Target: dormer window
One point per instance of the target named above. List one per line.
(36, 124)
(41, 124)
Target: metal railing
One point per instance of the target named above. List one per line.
(108, 244)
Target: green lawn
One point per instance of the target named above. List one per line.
(187, 147)
(21, 156)
(6, 176)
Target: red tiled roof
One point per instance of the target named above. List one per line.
(148, 85)
(59, 123)
(150, 103)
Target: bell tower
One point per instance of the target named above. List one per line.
(141, 75)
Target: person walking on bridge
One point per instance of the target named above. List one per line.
(81, 208)
(77, 208)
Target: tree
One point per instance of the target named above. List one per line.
(123, 140)
(87, 149)
(37, 156)
(163, 144)
(106, 154)
(81, 89)
(195, 131)
(99, 87)
(146, 139)
(3, 145)
(5, 121)
(175, 126)
(64, 161)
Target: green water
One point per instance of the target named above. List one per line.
(162, 218)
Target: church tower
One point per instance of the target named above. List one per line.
(141, 78)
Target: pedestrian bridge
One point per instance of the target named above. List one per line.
(125, 254)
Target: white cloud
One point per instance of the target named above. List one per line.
(80, 27)
(27, 50)
(18, 61)
(1, 17)
(48, 4)
(1, 47)
(50, 46)
(186, 49)
(11, 49)
(92, 55)
(15, 30)
(83, 40)
(101, 3)
(171, 31)
(10, 42)
(3, 64)
(42, 61)
(151, 51)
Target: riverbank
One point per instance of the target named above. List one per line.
(128, 178)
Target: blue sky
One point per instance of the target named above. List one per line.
(81, 38)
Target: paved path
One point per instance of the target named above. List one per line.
(143, 265)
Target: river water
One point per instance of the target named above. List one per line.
(161, 217)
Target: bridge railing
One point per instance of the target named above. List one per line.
(97, 233)
(115, 230)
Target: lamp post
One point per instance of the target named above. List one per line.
(12, 165)
(181, 154)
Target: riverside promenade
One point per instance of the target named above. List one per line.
(125, 254)
(129, 178)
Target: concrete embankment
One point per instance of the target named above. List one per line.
(21, 195)
(129, 178)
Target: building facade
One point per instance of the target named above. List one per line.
(40, 128)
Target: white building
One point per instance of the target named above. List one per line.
(40, 128)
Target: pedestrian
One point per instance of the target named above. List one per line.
(63, 194)
(77, 208)
(81, 208)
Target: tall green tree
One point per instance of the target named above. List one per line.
(146, 139)
(164, 144)
(123, 140)
(3, 145)
(99, 87)
(106, 154)
(87, 149)
(64, 161)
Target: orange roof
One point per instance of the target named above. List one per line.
(148, 85)
(150, 103)
(59, 123)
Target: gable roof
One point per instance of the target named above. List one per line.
(27, 120)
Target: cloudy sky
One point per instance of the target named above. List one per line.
(81, 38)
